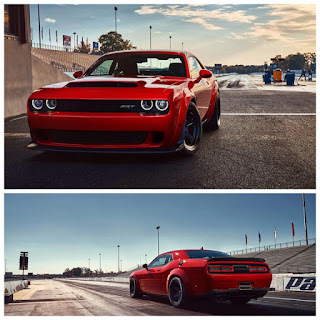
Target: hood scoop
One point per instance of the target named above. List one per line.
(101, 84)
(237, 259)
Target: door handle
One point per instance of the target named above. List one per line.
(159, 270)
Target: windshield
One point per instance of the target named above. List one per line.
(139, 64)
(199, 254)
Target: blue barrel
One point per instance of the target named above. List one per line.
(290, 78)
(267, 77)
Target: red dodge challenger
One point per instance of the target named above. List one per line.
(128, 101)
(182, 274)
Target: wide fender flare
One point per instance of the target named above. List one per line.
(137, 281)
(215, 92)
(183, 276)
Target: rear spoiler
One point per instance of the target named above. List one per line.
(237, 259)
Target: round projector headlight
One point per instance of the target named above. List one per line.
(146, 104)
(37, 104)
(162, 105)
(51, 104)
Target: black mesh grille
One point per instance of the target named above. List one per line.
(97, 137)
(124, 106)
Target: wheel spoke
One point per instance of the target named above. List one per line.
(189, 137)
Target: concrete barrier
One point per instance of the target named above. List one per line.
(104, 279)
(11, 287)
(300, 282)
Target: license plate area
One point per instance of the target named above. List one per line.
(245, 286)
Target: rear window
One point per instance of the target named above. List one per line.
(199, 254)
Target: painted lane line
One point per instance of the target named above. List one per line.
(289, 299)
(267, 114)
(18, 118)
(23, 135)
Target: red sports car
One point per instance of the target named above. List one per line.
(182, 274)
(128, 101)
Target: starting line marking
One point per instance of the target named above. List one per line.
(25, 135)
(267, 114)
(290, 299)
(18, 118)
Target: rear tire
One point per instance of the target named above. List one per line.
(192, 130)
(214, 122)
(134, 291)
(240, 300)
(177, 292)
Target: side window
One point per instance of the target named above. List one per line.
(103, 68)
(161, 261)
(194, 67)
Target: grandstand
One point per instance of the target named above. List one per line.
(300, 259)
(65, 61)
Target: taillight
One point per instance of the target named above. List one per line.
(213, 268)
(258, 269)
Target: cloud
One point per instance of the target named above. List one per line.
(289, 20)
(50, 20)
(197, 14)
(93, 17)
(157, 32)
(204, 23)
(236, 36)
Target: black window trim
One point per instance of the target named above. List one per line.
(165, 254)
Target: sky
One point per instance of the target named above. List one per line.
(66, 230)
(227, 34)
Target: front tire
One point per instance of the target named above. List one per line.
(192, 130)
(134, 291)
(214, 122)
(177, 292)
(240, 300)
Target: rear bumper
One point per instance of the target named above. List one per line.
(254, 293)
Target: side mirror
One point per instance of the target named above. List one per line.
(145, 266)
(204, 73)
(78, 74)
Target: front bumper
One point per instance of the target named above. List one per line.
(160, 150)
(42, 127)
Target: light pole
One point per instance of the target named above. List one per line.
(74, 41)
(115, 17)
(150, 36)
(146, 258)
(118, 258)
(170, 42)
(39, 26)
(89, 267)
(182, 46)
(5, 266)
(158, 228)
(121, 265)
(100, 263)
(305, 218)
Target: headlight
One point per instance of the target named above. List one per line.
(37, 104)
(51, 104)
(162, 105)
(146, 104)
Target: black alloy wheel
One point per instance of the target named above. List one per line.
(134, 291)
(192, 130)
(177, 292)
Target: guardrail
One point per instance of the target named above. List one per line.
(11, 287)
(282, 245)
(103, 279)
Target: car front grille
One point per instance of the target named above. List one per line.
(97, 137)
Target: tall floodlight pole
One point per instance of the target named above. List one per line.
(182, 46)
(118, 257)
(170, 42)
(121, 265)
(305, 218)
(74, 41)
(100, 263)
(150, 36)
(158, 228)
(115, 18)
(89, 267)
(5, 266)
(146, 257)
(39, 26)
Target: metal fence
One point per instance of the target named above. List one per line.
(288, 244)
